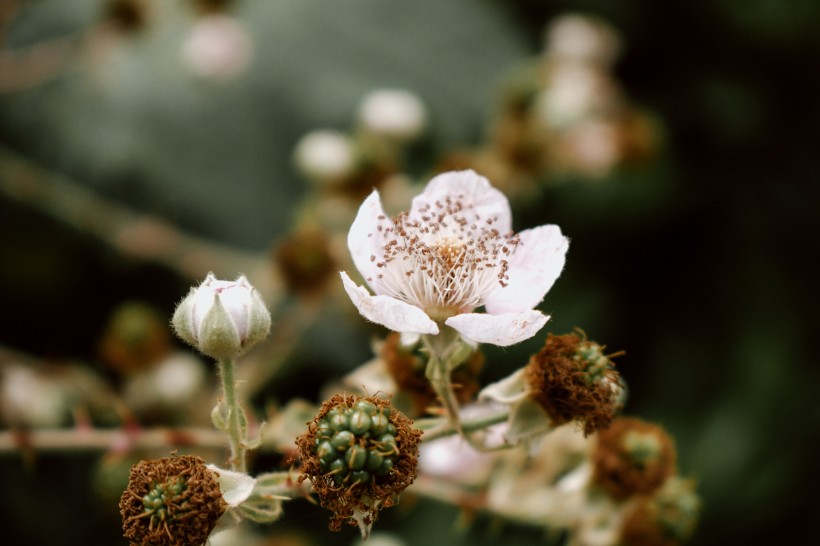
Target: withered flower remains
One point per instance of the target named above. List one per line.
(174, 501)
(633, 457)
(573, 380)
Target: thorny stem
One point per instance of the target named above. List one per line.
(236, 433)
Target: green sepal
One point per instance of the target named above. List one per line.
(218, 337)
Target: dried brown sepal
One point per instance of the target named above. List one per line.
(357, 498)
(560, 383)
(623, 469)
(190, 502)
(407, 370)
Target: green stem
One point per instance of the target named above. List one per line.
(444, 357)
(234, 415)
(435, 428)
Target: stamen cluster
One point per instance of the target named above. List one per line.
(445, 255)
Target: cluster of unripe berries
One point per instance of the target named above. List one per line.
(156, 501)
(356, 444)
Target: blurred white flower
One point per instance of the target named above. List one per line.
(324, 155)
(574, 93)
(217, 47)
(578, 38)
(593, 147)
(454, 252)
(393, 113)
(172, 384)
(29, 399)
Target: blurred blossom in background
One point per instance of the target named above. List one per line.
(145, 143)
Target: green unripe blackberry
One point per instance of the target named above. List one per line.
(174, 501)
(354, 442)
(359, 453)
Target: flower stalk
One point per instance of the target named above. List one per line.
(446, 352)
(236, 421)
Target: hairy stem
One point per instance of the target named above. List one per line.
(444, 356)
(236, 430)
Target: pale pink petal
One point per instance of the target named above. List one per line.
(502, 330)
(367, 237)
(387, 311)
(472, 191)
(534, 266)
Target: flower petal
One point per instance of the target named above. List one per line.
(366, 240)
(502, 330)
(509, 390)
(236, 487)
(473, 191)
(387, 311)
(533, 268)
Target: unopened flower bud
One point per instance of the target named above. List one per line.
(359, 454)
(222, 319)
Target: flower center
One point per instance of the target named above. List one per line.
(444, 257)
